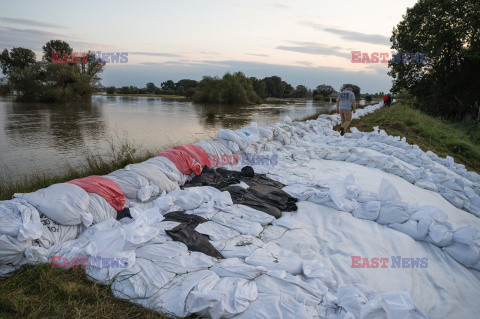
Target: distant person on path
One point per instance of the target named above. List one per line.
(345, 103)
(389, 100)
(385, 99)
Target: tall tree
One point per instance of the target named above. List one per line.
(150, 87)
(325, 90)
(448, 31)
(168, 85)
(55, 45)
(16, 59)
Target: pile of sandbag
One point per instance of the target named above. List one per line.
(422, 223)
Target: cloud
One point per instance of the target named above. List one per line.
(306, 63)
(258, 54)
(29, 22)
(314, 48)
(163, 54)
(276, 5)
(34, 39)
(264, 7)
(350, 35)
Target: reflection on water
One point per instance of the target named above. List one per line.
(42, 138)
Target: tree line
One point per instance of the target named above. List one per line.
(44, 81)
(235, 88)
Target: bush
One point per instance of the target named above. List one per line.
(333, 99)
(368, 98)
(317, 97)
(326, 99)
(189, 93)
(111, 90)
(5, 88)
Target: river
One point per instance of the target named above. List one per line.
(46, 138)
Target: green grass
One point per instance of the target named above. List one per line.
(45, 292)
(459, 140)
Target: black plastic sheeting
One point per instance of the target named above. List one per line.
(124, 213)
(179, 216)
(193, 240)
(264, 194)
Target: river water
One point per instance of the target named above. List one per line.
(45, 139)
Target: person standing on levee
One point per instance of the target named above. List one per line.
(345, 105)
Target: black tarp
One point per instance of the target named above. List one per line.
(179, 216)
(193, 240)
(264, 194)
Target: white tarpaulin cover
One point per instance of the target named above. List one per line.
(382, 230)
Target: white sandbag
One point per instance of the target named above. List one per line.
(20, 220)
(141, 283)
(129, 182)
(168, 168)
(174, 257)
(54, 233)
(172, 298)
(100, 209)
(391, 305)
(243, 226)
(351, 299)
(179, 200)
(107, 243)
(392, 214)
(266, 132)
(272, 256)
(464, 254)
(12, 250)
(369, 210)
(240, 246)
(223, 298)
(139, 231)
(440, 235)
(418, 230)
(247, 212)
(388, 192)
(430, 212)
(36, 255)
(467, 235)
(154, 175)
(76, 248)
(236, 267)
(64, 203)
(147, 192)
(286, 300)
(234, 136)
(216, 231)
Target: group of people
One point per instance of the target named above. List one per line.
(346, 105)
(387, 100)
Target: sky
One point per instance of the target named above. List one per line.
(306, 42)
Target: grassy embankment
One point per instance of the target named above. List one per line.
(45, 292)
(459, 140)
